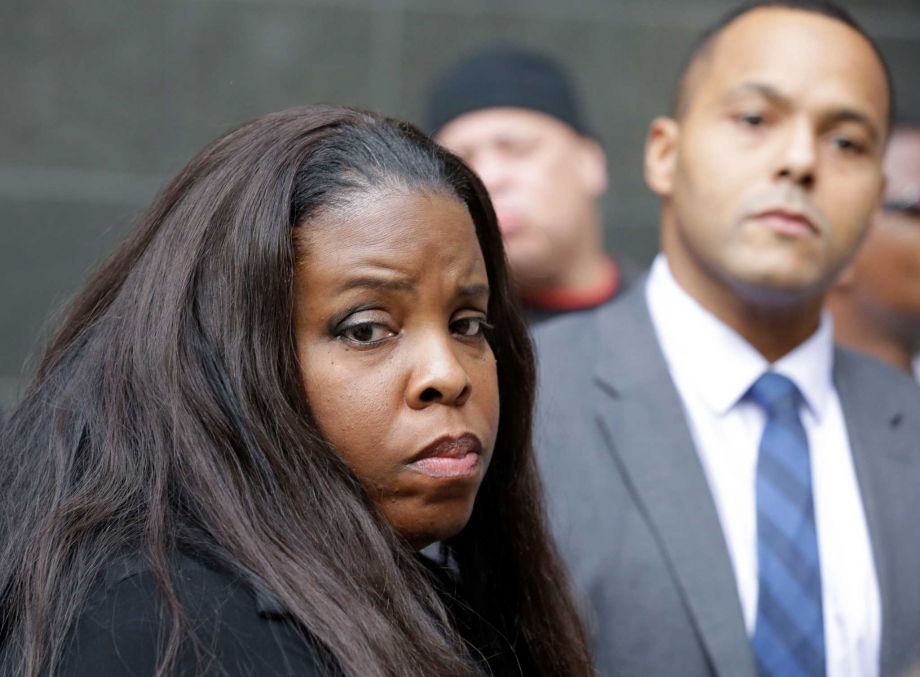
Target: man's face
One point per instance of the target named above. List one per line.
(772, 173)
(886, 271)
(543, 178)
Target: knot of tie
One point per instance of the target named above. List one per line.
(776, 393)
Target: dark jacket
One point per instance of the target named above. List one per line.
(240, 631)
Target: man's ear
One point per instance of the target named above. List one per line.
(661, 154)
(592, 167)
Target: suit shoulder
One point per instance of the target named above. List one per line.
(563, 327)
(571, 341)
(872, 374)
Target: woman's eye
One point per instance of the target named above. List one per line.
(366, 332)
(470, 326)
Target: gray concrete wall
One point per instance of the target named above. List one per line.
(103, 100)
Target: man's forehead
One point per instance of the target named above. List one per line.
(801, 49)
(762, 33)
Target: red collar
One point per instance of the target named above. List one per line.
(576, 299)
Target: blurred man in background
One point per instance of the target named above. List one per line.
(514, 117)
(876, 303)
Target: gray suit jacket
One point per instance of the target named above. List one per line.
(632, 512)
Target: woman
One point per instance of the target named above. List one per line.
(259, 409)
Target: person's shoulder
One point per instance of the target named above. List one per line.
(871, 391)
(123, 626)
(563, 326)
(875, 376)
(564, 346)
(580, 326)
(569, 339)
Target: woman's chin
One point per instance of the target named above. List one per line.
(439, 524)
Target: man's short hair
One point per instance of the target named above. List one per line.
(704, 43)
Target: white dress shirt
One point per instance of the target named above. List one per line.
(713, 368)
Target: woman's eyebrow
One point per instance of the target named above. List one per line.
(400, 285)
(476, 289)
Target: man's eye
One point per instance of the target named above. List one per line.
(847, 144)
(366, 332)
(470, 326)
(517, 148)
(751, 119)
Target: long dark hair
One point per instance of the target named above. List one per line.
(168, 415)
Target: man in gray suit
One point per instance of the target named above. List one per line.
(733, 494)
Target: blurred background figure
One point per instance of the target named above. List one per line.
(515, 118)
(876, 304)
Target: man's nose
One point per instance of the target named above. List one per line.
(438, 377)
(798, 155)
(493, 170)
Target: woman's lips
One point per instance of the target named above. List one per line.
(449, 457)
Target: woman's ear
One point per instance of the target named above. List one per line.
(661, 154)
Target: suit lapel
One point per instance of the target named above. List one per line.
(643, 421)
(883, 437)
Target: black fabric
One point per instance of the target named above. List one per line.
(494, 651)
(242, 630)
(119, 632)
(504, 77)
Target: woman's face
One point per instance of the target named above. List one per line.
(390, 316)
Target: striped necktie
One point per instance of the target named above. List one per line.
(789, 629)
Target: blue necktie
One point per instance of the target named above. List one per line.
(789, 630)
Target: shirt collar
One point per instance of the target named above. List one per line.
(705, 354)
(811, 366)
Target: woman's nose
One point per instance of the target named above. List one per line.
(437, 374)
